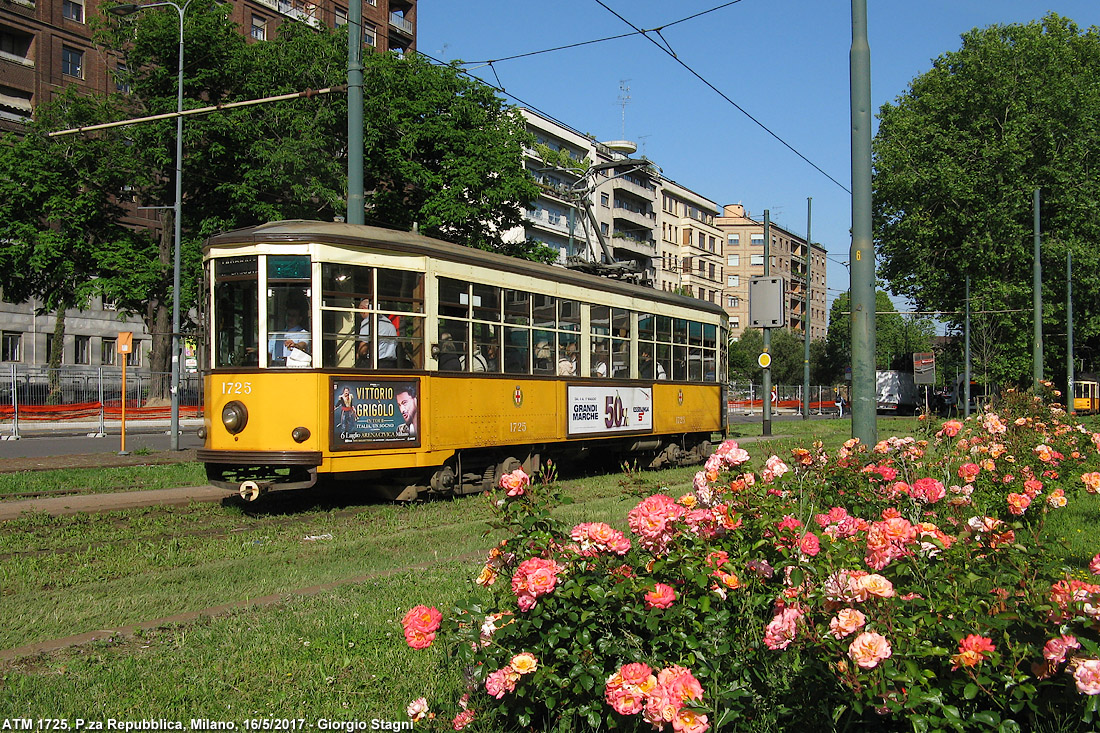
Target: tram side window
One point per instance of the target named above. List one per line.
(236, 312)
(345, 289)
(620, 343)
(469, 327)
(289, 342)
(679, 349)
(401, 298)
(545, 318)
(569, 325)
(517, 332)
(710, 343)
(600, 356)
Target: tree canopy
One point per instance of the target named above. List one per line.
(442, 152)
(897, 337)
(956, 161)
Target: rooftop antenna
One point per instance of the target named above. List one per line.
(642, 139)
(624, 99)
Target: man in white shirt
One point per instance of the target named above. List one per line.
(387, 341)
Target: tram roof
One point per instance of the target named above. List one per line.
(354, 235)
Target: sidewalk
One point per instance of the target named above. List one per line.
(38, 428)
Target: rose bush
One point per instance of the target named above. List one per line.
(904, 585)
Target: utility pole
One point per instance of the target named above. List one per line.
(1069, 332)
(356, 199)
(1036, 299)
(862, 253)
(767, 376)
(806, 315)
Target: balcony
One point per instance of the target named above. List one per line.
(305, 12)
(649, 193)
(403, 24)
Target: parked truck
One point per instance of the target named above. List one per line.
(896, 393)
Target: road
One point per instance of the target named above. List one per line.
(64, 439)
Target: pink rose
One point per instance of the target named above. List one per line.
(847, 622)
(515, 483)
(1094, 566)
(1056, 649)
(661, 596)
(809, 544)
(868, 649)
(1087, 676)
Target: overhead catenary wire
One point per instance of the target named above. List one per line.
(722, 94)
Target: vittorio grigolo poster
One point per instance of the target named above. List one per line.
(374, 412)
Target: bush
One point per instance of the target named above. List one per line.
(907, 585)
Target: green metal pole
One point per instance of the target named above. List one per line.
(862, 254)
(966, 353)
(1069, 331)
(767, 378)
(1036, 299)
(806, 315)
(356, 202)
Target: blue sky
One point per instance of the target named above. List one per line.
(785, 62)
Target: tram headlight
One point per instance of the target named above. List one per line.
(234, 417)
(300, 434)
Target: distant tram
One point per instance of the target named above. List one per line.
(1086, 395)
(414, 367)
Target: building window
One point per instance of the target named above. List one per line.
(604, 229)
(73, 10)
(133, 359)
(733, 301)
(756, 260)
(710, 243)
(259, 28)
(370, 37)
(733, 281)
(83, 351)
(712, 272)
(49, 349)
(122, 78)
(12, 346)
(108, 348)
(15, 44)
(735, 322)
(733, 240)
(341, 17)
(72, 62)
(733, 260)
(757, 240)
(605, 200)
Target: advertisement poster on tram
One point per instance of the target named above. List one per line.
(610, 409)
(375, 413)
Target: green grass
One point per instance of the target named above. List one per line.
(101, 480)
(335, 653)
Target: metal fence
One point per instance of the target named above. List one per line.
(745, 398)
(90, 394)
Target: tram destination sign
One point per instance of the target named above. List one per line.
(609, 409)
(374, 413)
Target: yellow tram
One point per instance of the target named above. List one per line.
(1086, 395)
(414, 366)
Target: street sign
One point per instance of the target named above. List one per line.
(924, 368)
(764, 360)
(125, 343)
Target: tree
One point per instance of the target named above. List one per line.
(442, 151)
(61, 236)
(896, 337)
(788, 352)
(956, 161)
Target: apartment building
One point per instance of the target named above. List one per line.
(45, 45)
(791, 258)
(691, 259)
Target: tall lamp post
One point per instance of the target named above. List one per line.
(129, 9)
